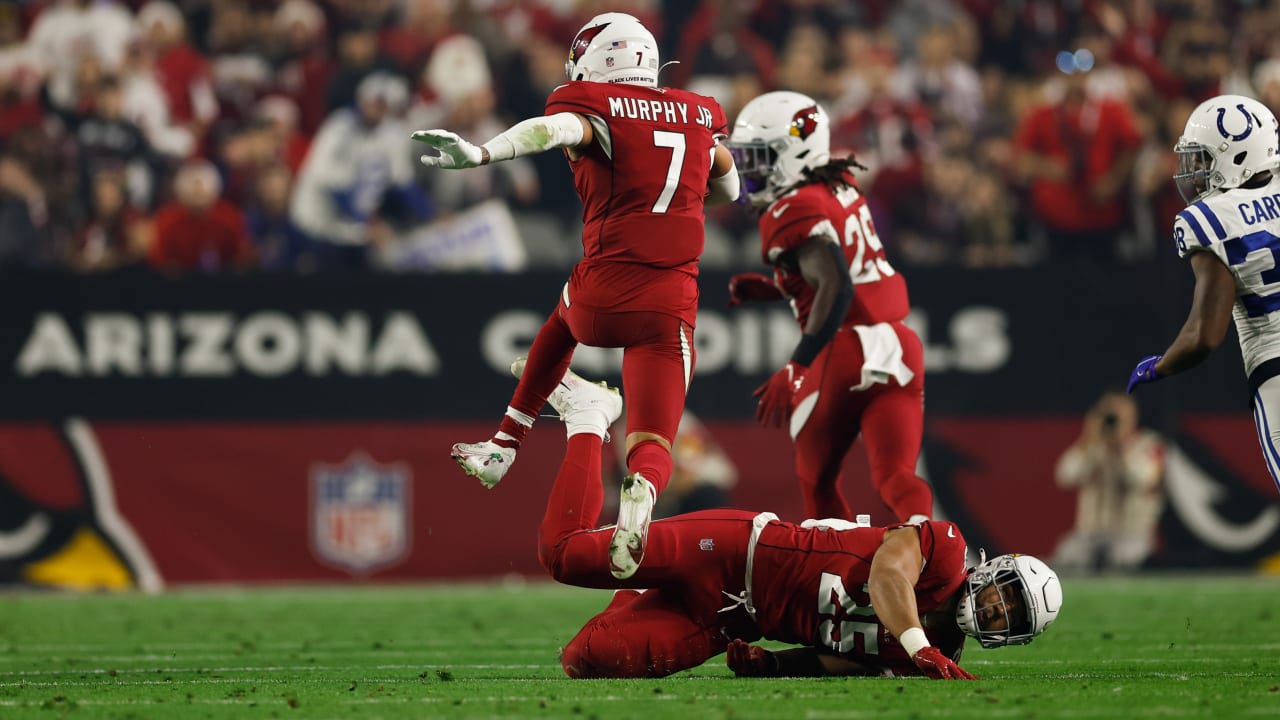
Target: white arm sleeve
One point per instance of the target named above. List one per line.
(536, 135)
(724, 189)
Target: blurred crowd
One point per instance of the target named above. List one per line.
(213, 135)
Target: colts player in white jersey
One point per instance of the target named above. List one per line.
(1230, 232)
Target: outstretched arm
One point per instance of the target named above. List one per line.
(1206, 324)
(1208, 319)
(527, 137)
(746, 660)
(895, 570)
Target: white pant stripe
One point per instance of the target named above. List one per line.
(1266, 406)
(1262, 443)
(1268, 395)
(686, 353)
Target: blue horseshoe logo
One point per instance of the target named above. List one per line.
(1248, 124)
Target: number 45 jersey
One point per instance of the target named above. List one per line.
(643, 183)
(1242, 228)
(809, 586)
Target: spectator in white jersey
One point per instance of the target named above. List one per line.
(356, 168)
(1230, 232)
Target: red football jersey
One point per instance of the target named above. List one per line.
(879, 292)
(643, 181)
(809, 587)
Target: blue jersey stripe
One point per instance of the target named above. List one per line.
(1259, 305)
(1214, 223)
(1195, 227)
(1237, 249)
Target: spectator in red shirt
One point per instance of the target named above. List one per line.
(113, 238)
(303, 64)
(893, 136)
(280, 115)
(199, 230)
(1076, 154)
(183, 73)
(424, 24)
(19, 99)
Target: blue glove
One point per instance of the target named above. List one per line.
(1145, 372)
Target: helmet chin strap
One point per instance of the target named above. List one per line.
(664, 67)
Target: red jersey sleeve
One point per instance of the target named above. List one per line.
(576, 97)
(785, 225)
(162, 252)
(944, 551)
(719, 123)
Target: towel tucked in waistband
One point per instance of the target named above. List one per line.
(881, 356)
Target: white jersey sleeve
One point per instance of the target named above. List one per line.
(1241, 227)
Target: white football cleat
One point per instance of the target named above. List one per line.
(635, 510)
(581, 403)
(486, 460)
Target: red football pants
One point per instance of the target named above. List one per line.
(657, 364)
(889, 417)
(689, 560)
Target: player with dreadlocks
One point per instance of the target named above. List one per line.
(858, 369)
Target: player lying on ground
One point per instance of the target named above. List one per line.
(862, 600)
(646, 160)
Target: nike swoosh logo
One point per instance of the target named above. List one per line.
(951, 532)
(778, 213)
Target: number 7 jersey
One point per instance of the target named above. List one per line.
(643, 181)
(1242, 228)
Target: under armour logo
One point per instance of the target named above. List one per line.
(1248, 124)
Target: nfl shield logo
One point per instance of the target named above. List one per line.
(360, 514)
(608, 61)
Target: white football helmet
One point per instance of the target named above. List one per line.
(614, 48)
(1027, 597)
(777, 137)
(1228, 139)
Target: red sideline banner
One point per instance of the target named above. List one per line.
(261, 428)
(115, 504)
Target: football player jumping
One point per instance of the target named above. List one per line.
(860, 600)
(1230, 232)
(646, 160)
(858, 368)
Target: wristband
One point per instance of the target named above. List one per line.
(913, 641)
(503, 149)
(807, 350)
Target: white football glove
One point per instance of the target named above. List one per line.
(455, 153)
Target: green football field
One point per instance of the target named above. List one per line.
(1163, 647)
